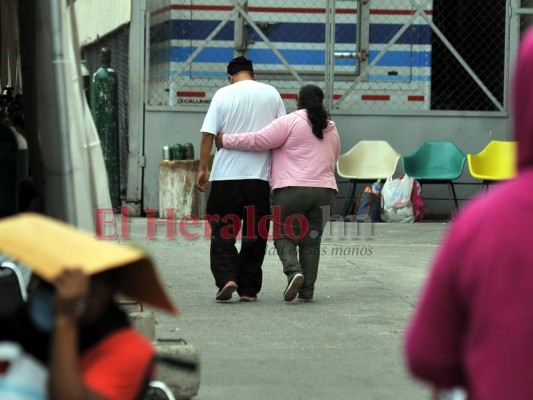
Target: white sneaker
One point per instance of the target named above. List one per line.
(248, 299)
(224, 294)
(293, 287)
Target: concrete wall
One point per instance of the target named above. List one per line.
(97, 18)
(471, 132)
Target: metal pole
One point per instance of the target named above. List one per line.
(240, 41)
(67, 210)
(507, 58)
(136, 73)
(363, 36)
(514, 15)
(330, 54)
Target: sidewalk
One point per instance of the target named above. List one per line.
(345, 345)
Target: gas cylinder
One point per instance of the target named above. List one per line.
(104, 108)
(189, 151)
(177, 152)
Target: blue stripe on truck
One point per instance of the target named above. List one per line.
(294, 57)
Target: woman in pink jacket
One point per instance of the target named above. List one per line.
(473, 326)
(305, 148)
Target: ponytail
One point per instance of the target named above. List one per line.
(311, 98)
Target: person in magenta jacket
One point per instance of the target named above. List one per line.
(473, 326)
(305, 147)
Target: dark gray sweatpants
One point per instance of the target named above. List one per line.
(303, 211)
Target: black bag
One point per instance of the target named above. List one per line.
(368, 207)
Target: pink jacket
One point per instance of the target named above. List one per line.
(473, 325)
(299, 158)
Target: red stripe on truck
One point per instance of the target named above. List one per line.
(375, 97)
(282, 10)
(289, 96)
(191, 94)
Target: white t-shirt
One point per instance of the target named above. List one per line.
(245, 106)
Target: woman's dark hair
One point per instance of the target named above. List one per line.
(311, 98)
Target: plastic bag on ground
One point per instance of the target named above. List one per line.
(397, 199)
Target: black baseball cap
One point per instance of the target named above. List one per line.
(240, 64)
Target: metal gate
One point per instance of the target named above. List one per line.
(368, 55)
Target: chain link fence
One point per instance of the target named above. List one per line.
(469, 61)
(118, 42)
(380, 55)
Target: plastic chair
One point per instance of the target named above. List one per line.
(496, 162)
(368, 160)
(436, 162)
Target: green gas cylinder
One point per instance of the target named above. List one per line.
(177, 152)
(104, 108)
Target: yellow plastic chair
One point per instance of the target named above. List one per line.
(496, 162)
(368, 160)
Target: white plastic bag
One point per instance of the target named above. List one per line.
(397, 199)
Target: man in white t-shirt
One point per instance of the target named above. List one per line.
(239, 181)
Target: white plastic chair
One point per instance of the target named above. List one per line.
(368, 160)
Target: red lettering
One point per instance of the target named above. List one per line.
(304, 226)
(125, 222)
(248, 230)
(100, 222)
(152, 222)
(207, 224)
(276, 220)
(182, 226)
(231, 230)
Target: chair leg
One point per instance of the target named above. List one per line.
(350, 199)
(454, 196)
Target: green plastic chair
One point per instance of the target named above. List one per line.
(436, 162)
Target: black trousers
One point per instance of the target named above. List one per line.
(234, 206)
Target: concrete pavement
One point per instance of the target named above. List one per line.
(344, 345)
